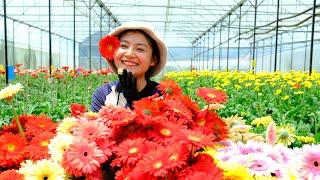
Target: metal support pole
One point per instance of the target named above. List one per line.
(238, 65)
(270, 68)
(5, 40)
(192, 57)
(208, 50)
(41, 49)
(74, 34)
(50, 43)
(312, 35)
(228, 42)
(305, 50)
(59, 52)
(254, 32)
(100, 59)
(29, 48)
(203, 51)
(277, 29)
(220, 47)
(262, 55)
(13, 51)
(213, 38)
(90, 35)
(280, 52)
(291, 51)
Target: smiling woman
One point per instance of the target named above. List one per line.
(141, 55)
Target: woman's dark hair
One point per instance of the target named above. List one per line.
(152, 43)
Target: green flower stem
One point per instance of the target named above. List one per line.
(15, 116)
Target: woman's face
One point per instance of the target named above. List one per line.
(134, 54)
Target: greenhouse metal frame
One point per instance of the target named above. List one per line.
(246, 35)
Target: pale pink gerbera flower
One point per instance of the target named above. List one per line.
(82, 158)
(261, 165)
(310, 162)
(92, 130)
(271, 134)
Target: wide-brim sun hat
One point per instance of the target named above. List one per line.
(148, 29)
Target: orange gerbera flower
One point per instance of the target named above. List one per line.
(12, 150)
(38, 147)
(39, 124)
(77, 109)
(212, 95)
(11, 175)
(169, 88)
(108, 46)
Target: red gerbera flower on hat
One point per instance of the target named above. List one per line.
(212, 95)
(11, 175)
(107, 46)
(11, 150)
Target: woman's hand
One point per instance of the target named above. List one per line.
(127, 86)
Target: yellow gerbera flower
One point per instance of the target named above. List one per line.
(264, 121)
(9, 91)
(66, 125)
(285, 134)
(235, 171)
(306, 139)
(42, 169)
(58, 145)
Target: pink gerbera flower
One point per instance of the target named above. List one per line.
(310, 165)
(82, 158)
(92, 130)
(271, 134)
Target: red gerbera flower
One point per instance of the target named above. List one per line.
(38, 147)
(77, 109)
(108, 46)
(197, 138)
(11, 175)
(177, 110)
(38, 125)
(129, 152)
(212, 95)
(165, 132)
(155, 162)
(193, 106)
(147, 107)
(209, 122)
(203, 163)
(119, 116)
(169, 88)
(12, 150)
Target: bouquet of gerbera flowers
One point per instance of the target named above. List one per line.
(161, 138)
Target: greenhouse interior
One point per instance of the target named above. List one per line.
(168, 89)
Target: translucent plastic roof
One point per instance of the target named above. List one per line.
(179, 22)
